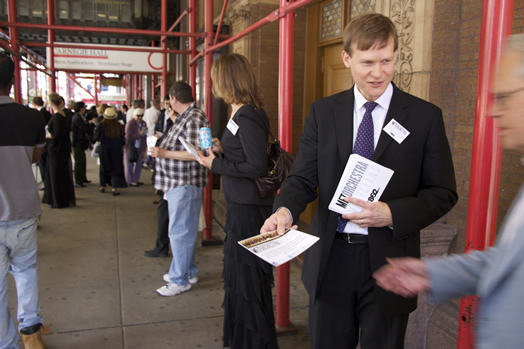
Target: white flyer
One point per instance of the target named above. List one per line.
(362, 179)
(279, 249)
(191, 149)
(151, 142)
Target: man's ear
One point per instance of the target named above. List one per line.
(346, 58)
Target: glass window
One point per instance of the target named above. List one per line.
(63, 9)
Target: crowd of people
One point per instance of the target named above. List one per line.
(349, 271)
(73, 129)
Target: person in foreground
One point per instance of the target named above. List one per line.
(182, 179)
(248, 304)
(496, 275)
(346, 306)
(22, 141)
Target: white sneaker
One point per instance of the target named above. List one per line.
(192, 281)
(171, 289)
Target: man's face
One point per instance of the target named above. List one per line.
(508, 92)
(372, 70)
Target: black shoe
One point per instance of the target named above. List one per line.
(87, 181)
(79, 185)
(154, 253)
(140, 183)
(101, 189)
(115, 192)
(133, 185)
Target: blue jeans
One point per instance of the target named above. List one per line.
(184, 208)
(18, 257)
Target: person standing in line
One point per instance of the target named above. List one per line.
(248, 303)
(151, 116)
(161, 248)
(22, 141)
(81, 130)
(182, 179)
(346, 306)
(110, 133)
(38, 103)
(59, 189)
(136, 131)
(137, 103)
(496, 275)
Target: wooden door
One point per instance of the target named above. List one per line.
(337, 77)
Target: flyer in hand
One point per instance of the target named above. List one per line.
(279, 249)
(191, 149)
(362, 179)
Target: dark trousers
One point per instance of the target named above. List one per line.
(79, 169)
(162, 218)
(42, 165)
(346, 310)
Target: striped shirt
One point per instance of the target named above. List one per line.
(171, 173)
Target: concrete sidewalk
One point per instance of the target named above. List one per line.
(97, 290)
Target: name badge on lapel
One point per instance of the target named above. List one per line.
(232, 126)
(396, 131)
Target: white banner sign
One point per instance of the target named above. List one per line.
(106, 60)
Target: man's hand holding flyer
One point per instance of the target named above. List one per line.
(362, 179)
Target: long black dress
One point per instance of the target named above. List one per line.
(111, 158)
(59, 188)
(248, 304)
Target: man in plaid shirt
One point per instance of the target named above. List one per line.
(182, 179)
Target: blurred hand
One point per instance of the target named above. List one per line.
(157, 152)
(374, 214)
(217, 145)
(278, 221)
(206, 161)
(404, 276)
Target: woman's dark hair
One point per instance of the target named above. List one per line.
(112, 128)
(234, 81)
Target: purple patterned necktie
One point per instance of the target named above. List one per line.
(364, 146)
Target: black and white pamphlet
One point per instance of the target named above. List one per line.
(362, 179)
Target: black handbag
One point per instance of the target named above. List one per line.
(132, 152)
(279, 165)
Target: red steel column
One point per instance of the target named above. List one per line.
(163, 27)
(192, 45)
(96, 89)
(51, 40)
(13, 34)
(285, 127)
(208, 105)
(497, 18)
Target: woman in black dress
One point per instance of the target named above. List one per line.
(110, 133)
(248, 304)
(59, 188)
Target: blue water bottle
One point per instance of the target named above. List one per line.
(205, 139)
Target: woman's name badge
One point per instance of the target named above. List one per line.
(232, 127)
(396, 131)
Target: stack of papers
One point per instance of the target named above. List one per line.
(362, 179)
(279, 249)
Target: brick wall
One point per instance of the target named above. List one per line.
(453, 86)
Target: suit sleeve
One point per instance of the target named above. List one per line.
(457, 275)
(254, 143)
(300, 187)
(436, 193)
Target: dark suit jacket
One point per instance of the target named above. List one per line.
(81, 131)
(245, 157)
(421, 190)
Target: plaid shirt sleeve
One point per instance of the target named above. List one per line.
(171, 173)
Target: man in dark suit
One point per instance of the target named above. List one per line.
(346, 306)
(81, 130)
